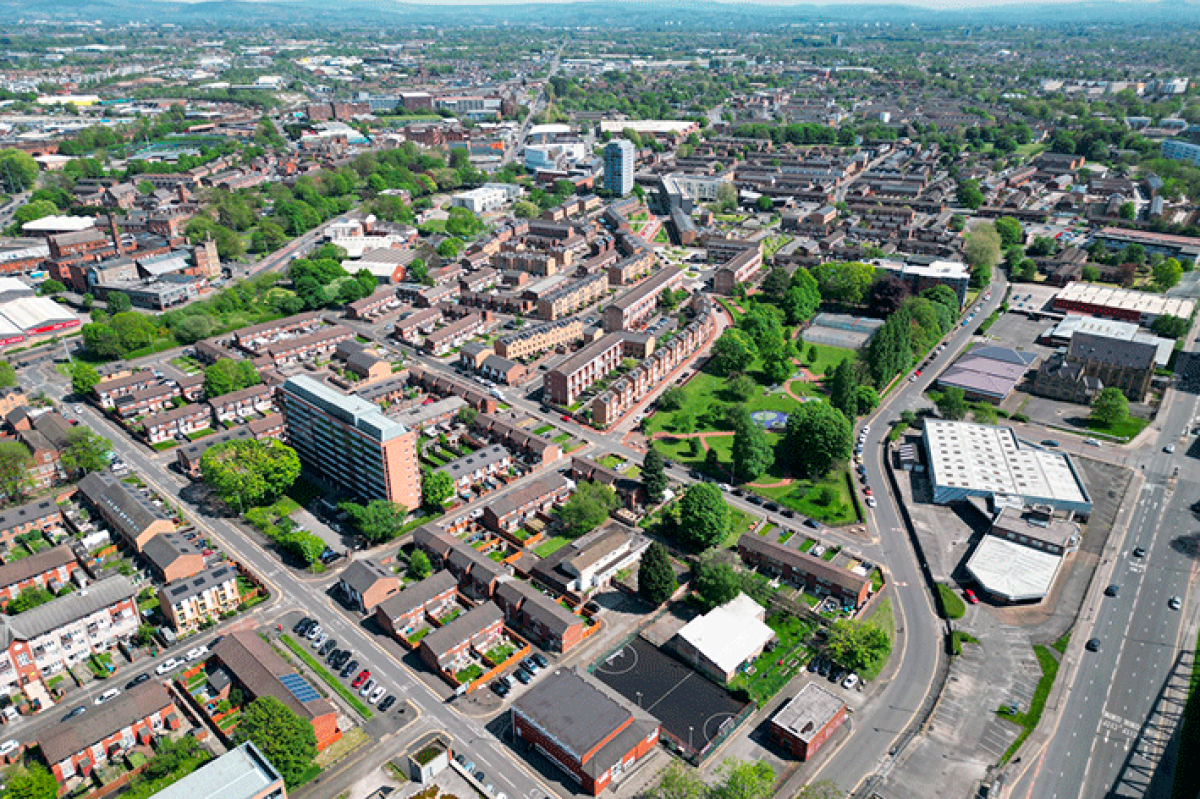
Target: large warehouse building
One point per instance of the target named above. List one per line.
(977, 460)
(1125, 304)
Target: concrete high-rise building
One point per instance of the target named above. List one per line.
(618, 166)
(348, 441)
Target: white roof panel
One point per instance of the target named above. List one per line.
(1013, 571)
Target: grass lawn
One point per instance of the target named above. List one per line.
(704, 390)
(416, 637)
(200, 434)
(1028, 720)
(952, 603)
(881, 617)
(469, 673)
(561, 438)
(550, 546)
(803, 496)
(1060, 646)
(612, 461)
(773, 669)
(543, 430)
(501, 653)
(743, 522)
(432, 226)
(958, 638)
(827, 356)
(329, 679)
(1125, 430)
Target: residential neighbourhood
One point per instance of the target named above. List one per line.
(519, 405)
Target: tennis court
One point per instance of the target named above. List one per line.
(687, 704)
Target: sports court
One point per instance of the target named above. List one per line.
(669, 690)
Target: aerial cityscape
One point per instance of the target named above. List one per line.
(561, 400)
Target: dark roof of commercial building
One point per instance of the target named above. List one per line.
(134, 705)
(1112, 351)
(579, 712)
(24, 569)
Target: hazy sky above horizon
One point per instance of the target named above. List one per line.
(942, 5)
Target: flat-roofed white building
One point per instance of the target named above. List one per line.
(1117, 303)
(721, 641)
(486, 198)
(977, 460)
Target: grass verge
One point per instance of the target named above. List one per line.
(330, 680)
(953, 606)
(882, 618)
(1028, 720)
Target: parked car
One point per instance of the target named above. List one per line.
(319, 641)
(168, 665)
(367, 687)
(77, 711)
(387, 703)
(530, 666)
(302, 626)
(850, 682)
(970, 595)
(377, 694)
(196, 652)
(348, 669)
(111, 693)
(540, 659)
(362, 677)
(871, 502)
(327, 647)
(314, 632)
(8, 747)
(522, 676)
(771, 506)
(136, 681)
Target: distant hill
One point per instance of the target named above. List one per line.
(599, 14)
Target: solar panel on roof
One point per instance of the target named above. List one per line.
(299, 688)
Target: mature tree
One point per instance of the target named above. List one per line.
(716, 580)
(704, 516)
(467, 415)
(1011, 232)
(30, 782)
(857, 645)
(118, 302)
(1042, 247)
(85, 451)
(134, 330)
(778, 367)
(776, 282)
(764, 325)
(888, 293)
(250, 472)
(889, 351)
(712, 462)
(672, 399)
(15, 465)
(1170, 326)
(818, 436)
(677, 782)
(842, 386)
(419, 566)
(1089, 273)
(846, 282)
(463, 223)
(732, 352)
(752, 452)
(801, 300)
(379, 520)
(225, 376)
(969, 194)
(51, 288)
(18, 171)
(587, 508)
(418, 272)
(764, 203)
(1167, 274)
(287, 740)
(656, 578)
(1127, 210)
(952, 404)
(101, 340)
(436, 488)
(982, 252)
(1026, 270)
(84, 378)
(866, 399)
(654, 476)
(744, 780)
(741, 387)
(1110, 407)
(523, 209)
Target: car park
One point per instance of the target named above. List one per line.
(136, 681)
(387, 703)
(111, 693)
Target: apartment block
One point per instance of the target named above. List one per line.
(527, 501)
(448, 649)
(50, 569)
(538, 617)
(738, 269)
(349, 441)
(379, 303)
(63, 632)
(165, 425)
(133, 718)
(507, 431)
(417, 324)
(40, 514)
(575, 375)
(402, 612)
(319, 344)
(572, 297)
(107, 391)
(633, 307)
(439, 342)
(257, 338)
(125, 508)
(477, 466)
(148, 400)
(539, 338)
(204, 596)
(803, 569)
(243, 403)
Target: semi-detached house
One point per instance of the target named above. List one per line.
(184, 421)
(245, 402)
(50, 569)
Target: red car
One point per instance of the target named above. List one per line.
(362, 677)
(428, 401)
(970, 595)
(867, 491)
(566, 418)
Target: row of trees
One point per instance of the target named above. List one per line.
(909, 332)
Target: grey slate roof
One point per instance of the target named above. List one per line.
(123, 505)
(180, 590)
(134, 705)
(362, 574)
(64, 610)
(417, 595)
(21, 514)
(464, 628)
(27, 568)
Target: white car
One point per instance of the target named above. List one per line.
(367, 688)
(168, 665)
(850, 681)
(8, 747)
(377, 694)
(196, 652)
(871, 502)
(111, 693)
(320, 640)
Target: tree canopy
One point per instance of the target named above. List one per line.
(1110, 407)
(654, 476)
(379, 520)
(287, 740)
(704, 516)
(587, 508)
(250, 472)
(818, 436)
(656, 578)
(436, 488)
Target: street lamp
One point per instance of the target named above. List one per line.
(690, 738)
(639, 698)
